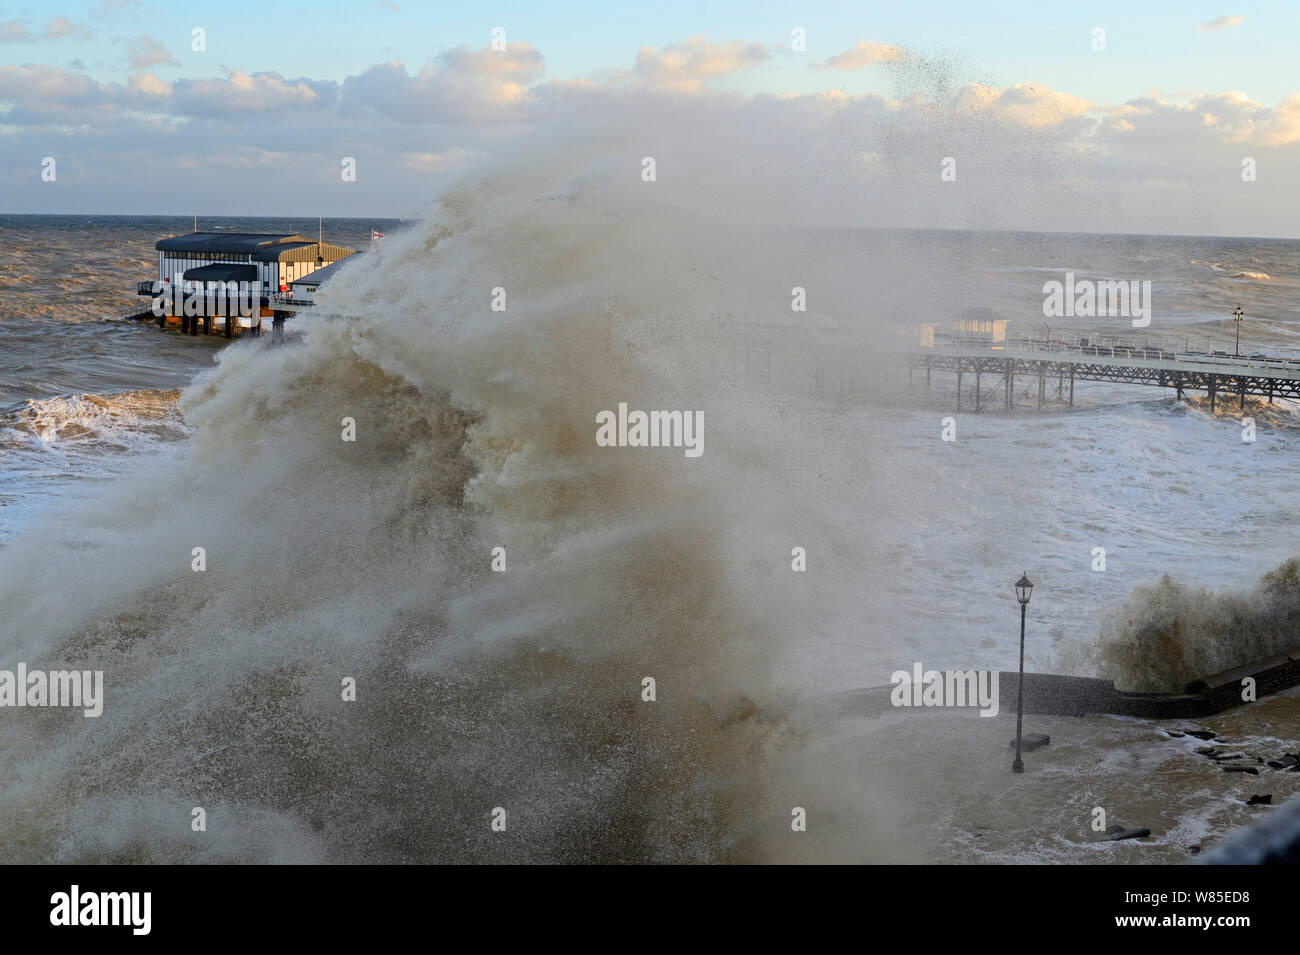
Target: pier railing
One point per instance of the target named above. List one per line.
(286, 298)
(1145, 352)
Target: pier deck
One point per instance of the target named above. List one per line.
(1215, 374)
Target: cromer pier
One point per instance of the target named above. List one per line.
(1057, 365)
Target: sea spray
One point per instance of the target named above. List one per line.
(1168, 634)
(366, 562)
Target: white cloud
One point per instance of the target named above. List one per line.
(12, 31)
(461, 86)
(1022, 149)
(861, 54)
(685, 66)
(39, 86)
(1221, 23)
(148, 84)
(147, 52)
(1026, 104)
(243, 92)
(56, 28)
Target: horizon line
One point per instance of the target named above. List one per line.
(870, 228)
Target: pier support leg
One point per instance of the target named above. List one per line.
(231, 318)
(207, 324)
(927, 372)
(1270, 391)
(194, 324)
(1042, 377)
(977, 389)
(1241, 393)
(1213, 381)
(1178, 384)
(277, 335)
(185, 324)
(1071, 386)
(1009, 384)
(959, 389)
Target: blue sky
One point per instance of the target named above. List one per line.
(1156, 47)
(1156, 124)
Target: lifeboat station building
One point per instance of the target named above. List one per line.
(273, 261)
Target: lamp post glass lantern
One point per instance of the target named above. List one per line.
(1237, 316)
(1023, 590)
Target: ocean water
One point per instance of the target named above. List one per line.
(123, 447)
(82, 393)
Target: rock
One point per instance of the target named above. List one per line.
(1202, 734)
(1221, 759)
(1286, 762)
(1194, 850)
(1209, 751)
(1251, 770)
(1174, 734)
(1123, 833)
(1266, 800)
(1032, 741)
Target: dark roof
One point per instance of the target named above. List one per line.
(323, 275)
(222, 272)
(243, 243)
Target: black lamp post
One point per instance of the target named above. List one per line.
(1237, 316)
(1023, 589)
